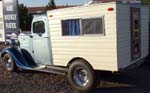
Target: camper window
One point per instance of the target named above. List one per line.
(39, 27)
(71, 27)
(92, 26)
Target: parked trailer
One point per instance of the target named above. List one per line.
(79, 40)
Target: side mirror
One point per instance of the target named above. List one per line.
(30, 36)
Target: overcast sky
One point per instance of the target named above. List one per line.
(58, 2)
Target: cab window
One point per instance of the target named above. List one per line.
(39, 27)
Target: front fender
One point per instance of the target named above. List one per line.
(19, 57)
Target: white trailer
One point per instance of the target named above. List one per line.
(2, 33)
(79, 40)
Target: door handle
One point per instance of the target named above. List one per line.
(31, 36)
(46, 37)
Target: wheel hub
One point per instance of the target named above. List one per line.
(81, 77)
(8, 63)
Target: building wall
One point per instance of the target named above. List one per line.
(2, 35)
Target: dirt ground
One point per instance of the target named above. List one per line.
(136, 80)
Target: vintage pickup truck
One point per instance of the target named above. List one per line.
(77, 41)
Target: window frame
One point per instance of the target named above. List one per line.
(36, 22)
(103, 26)
(81, 26)
(70, 20)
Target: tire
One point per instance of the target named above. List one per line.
(81, 76)
(9, 64)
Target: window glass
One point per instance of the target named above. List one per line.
(39, 27)
(71, 27)
(92, 26)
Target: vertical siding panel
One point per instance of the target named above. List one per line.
(144, 30)
(124, 35)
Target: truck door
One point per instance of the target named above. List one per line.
(41, 42)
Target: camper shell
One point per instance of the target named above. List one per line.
(77, 41)
(109, 50)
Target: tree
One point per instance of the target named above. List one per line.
(146, 2)
(25, 19)
(51, 5)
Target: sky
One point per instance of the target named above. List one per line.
(32, 3)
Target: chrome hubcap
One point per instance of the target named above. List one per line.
(8, 63)
(81, 77)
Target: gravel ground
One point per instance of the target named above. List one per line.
(136, 80)
(32, 82)
(133, 81)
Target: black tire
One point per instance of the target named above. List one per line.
(9, 64)
(81, 76)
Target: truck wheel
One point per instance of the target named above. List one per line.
(8, 63)
(81, 76)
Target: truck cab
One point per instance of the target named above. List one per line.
(38, 42)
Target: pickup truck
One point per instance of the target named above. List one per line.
(77, 41)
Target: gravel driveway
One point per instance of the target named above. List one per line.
(133, 81)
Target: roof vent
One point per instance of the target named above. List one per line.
(93, 2)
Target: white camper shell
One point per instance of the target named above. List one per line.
(109, 36)
(110, 48)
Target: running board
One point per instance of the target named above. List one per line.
(52, 69)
